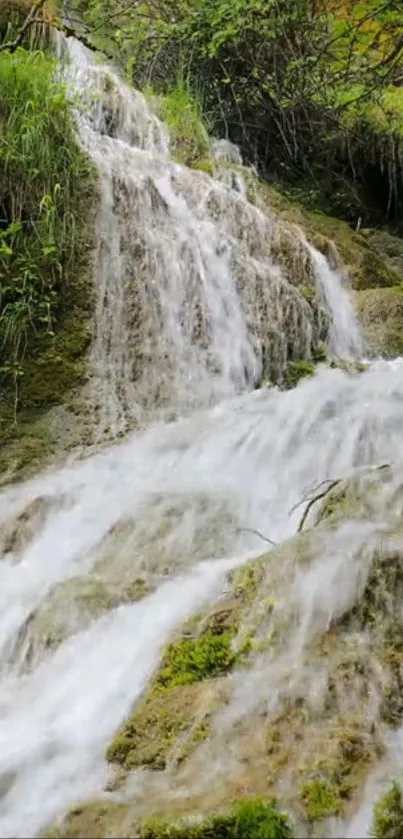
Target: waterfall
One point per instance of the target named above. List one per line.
(191, 306)
(164, 345)
(344, 339)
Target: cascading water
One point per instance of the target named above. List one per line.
(191, 263)
(162, 345)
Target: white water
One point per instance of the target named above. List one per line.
(192, 305)
(237, 467)
(344, 339)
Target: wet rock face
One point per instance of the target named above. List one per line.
(381, 313)
(201, 294)
(17, 532)
(277, 323)
(286, 684)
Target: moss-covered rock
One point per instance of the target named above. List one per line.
(46, 322)
(371, 258)
(70, 607)
(324, 675)
(247, 819)
(295, 371)
(381, 314)
(172, 717)
(165, 725)
(95, 820)
(320, 798)
(388, 247)
(388, 814)
(190, 142)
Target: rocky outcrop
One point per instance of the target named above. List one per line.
(285, 687)
(380, 311)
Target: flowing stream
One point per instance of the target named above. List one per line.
(176, 503)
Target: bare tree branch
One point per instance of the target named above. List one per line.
(257, 533)
(31, 18)
(313, 501)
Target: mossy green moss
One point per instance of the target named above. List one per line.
(295, 371)
(173, 716)
(337, 767)
(159, 720)
(388, 814)
(172, 712)
(320, 799)
(56, 366)
(388, 247)
(250, 819)
(194, 659)
(247, 579)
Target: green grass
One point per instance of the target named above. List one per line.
(253, 819)
(46, 195)
(182, 111)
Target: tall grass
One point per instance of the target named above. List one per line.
(182, 110)
(45, 184)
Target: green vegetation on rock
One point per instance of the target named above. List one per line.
(311, 92)
(381, 313)
(161, 720)
(295, 371)
(194, 659)
(320, 799)
(183, 114)
(173, 715)
(250, 819)
(247, 819)
(388, 814)
(47, 192)
(168, 716)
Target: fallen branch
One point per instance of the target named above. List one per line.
(314, 499)
(308, 496)
(257, 533)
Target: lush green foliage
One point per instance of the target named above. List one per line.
(251, 819)
(193, 659)
(45, 186)
(310, 88)
(388, 815)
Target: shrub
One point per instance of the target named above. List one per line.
(388, 815)
(250, 819)
(46, 190)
